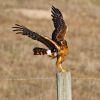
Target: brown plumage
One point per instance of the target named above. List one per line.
(57, 46)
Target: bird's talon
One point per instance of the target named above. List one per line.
(63, 70)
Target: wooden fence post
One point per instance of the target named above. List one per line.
(64, 89)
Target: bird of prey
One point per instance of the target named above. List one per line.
(57, 45)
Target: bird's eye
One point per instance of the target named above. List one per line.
(54, 50)
(62, 42)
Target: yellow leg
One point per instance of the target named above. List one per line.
(58, 64)
(62, 69)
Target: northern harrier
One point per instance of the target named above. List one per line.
(57, 45)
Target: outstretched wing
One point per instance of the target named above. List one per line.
(59, 24)
(20, 29)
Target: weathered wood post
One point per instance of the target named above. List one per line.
(64, 89)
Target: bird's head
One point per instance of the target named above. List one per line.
(64, 43)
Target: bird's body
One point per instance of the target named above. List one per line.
(57, 45)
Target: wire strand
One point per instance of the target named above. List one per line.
(49, 78)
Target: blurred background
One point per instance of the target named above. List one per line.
(27, 77)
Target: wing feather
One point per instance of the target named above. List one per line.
(59, 24)
(20, 29)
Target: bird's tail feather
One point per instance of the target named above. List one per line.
(42, 51)
(39, 51)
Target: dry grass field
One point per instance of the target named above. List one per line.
(20, 70)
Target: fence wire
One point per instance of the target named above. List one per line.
(51, 78)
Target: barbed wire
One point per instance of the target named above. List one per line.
(50, 78)
(84, 78)
(32, 78)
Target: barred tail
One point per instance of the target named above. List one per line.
(39, 51)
